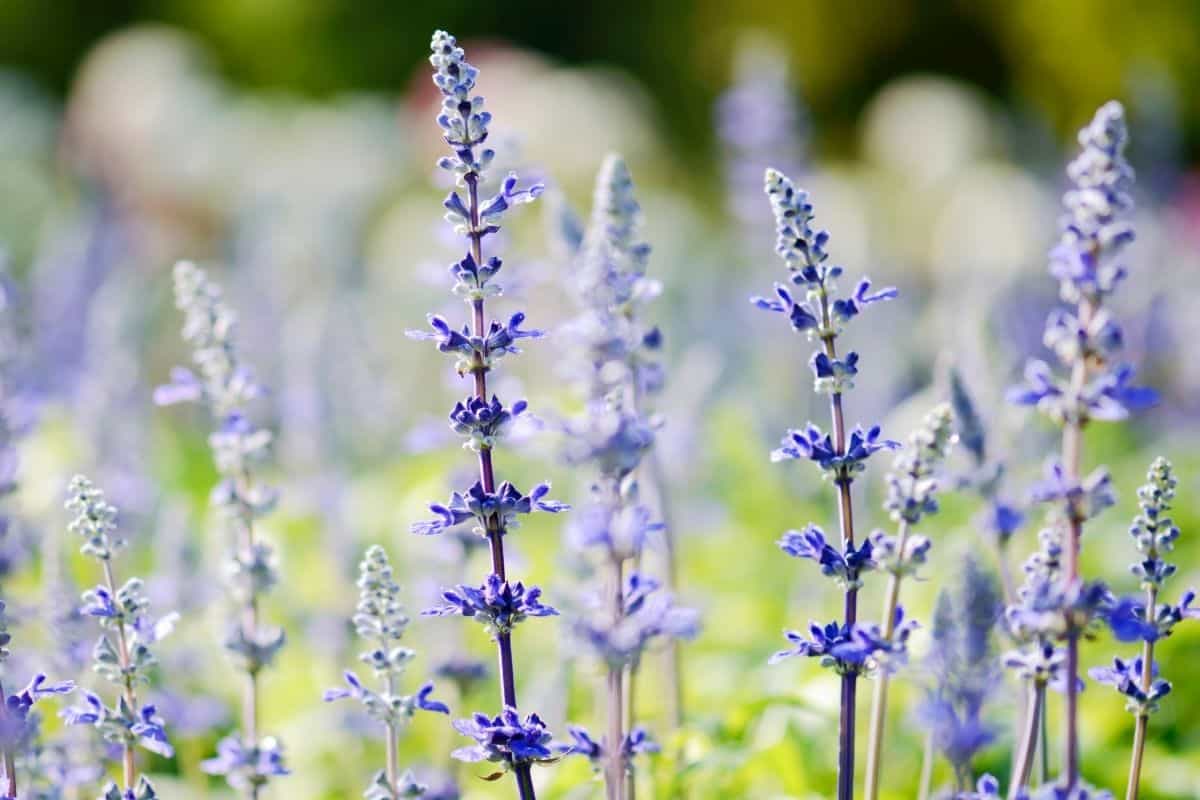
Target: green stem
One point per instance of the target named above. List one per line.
(926, 785)
(10, 766)
(880, 699)
(1023, 764)
(127, 760)
(1142, 721)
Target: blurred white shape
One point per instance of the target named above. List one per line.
(925, 128)
(995, 221)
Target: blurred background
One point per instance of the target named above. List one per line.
(289, 147)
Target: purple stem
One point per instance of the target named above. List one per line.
(487, 476)
(850, 606)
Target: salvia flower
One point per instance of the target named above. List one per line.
(495, 512)
(16, 725)
(812, 304)
(1136, 679)
(962, 669)
(19, 729)
(497, 605)
(226, 386)
(637, 742)
(1153, 531)
(247, 768)
(481, 422)
(380, 620)
(122, 654)
(1126, 678)
(822, 643)
(1091, 383)
(812, 444)
(648, 613)
(760, 122)
(475, 213)
(912, 485)
(846, 569)
(506, 740)
(613, 352)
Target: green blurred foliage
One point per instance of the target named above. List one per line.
(1062, 57)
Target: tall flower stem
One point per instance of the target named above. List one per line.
(10, 767)
(487, 476)
(820, 317)
(1023, 763)
(393, 735)
(1072, 456)
(880, 698)
(850, 601)
(925, 786)
(1044, 746)
(249, 623)
(615, 781)
(674, 666)
(1142, 720)
(129, 770)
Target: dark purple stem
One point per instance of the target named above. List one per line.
(487, 476)
(850, 605)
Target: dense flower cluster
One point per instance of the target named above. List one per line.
(482, 418)
(821, 314)
(1056, 607)
(122, 654)
(497, 605)
(962, 668)
(614, 352)
(1137, 679)
(507, 740)
(618, 576)
(226, 386)
(380, 620)
(1094, 232)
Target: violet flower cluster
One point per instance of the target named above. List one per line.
(963, 671)
(226, 386)
(380, 621)
(19, 723)
(491, 509)
(1000, 518)
(1137, 679)
(811, 303)
(1057, 606)
(122, 655)
(615, 352)
(912, 488)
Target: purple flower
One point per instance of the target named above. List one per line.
(821, 643)
(648, 613)
(1084, 499)
(636, 743)
(506, 740)
(497, 605)
(1126, 678)
(844, 569)
(813, 445)
(493, 511)
(246, 766)
(483, 422)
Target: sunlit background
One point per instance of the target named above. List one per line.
(289, 146)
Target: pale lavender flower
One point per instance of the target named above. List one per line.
(226, 386)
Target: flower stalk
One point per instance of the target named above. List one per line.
(840, 454)
(226, 386)
(614, 352)
(493, 508)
